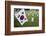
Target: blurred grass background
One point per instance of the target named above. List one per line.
(29, 13)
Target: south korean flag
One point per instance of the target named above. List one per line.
(21, 16)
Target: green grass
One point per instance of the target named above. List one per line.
(29, 23)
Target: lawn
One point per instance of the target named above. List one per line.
(31, 13)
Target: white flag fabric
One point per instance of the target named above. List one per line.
(21, 16)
